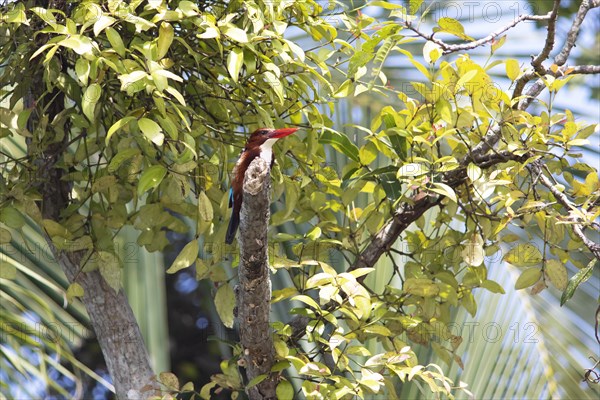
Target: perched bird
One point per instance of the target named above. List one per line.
(259, 144)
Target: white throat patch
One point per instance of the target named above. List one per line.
(266, 150)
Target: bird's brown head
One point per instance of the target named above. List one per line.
(261, 135)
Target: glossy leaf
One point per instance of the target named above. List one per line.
(528, 278)
(152, 131)
(235, 61)
(224, 303)
(341, 143)
(557, 273)
(151, 178)
(523, 255)
(577, 279)
(186, 257)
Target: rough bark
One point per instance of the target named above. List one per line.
(113, 321)
(254, 290)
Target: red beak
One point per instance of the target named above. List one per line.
(283, 132)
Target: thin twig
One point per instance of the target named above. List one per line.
(586, 5)
(549, 45)
(448, 48)
(559, 60)
(536, 169)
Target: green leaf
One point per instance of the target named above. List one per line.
(473, 252)
(165, 38)
(473, 172)
(16, 15)
(452, 26)
(102, 23)
(235, 34)
(341, 143)
(411, 170)
(431, 52)
(169, 380)
(210, 33)
(118, 125)
(414, 6)
(151, 178)
(175, 93)
(54, 229)
(557, 273)
(82, 70)
(115, 41)
(492, 286)
(314, 234)
(121, 157)
(577, 279)
(284, 391)
(361, 271)
(523, 255)
(344, 90)
(79, 44)
(205, 391)
(421, 287)
(315, 369)
(368, 153)
(275, 84)
(235, 60)
(9, 118)
(528, 278)
(465, 78)
(497, 43)
(378, 330)
(444, 190)
(186, 257)
(256, 380)
(188, 8)
(41, 49)
(91, 96)
(152, 131)
(205, 209)
(307, 300)
(127, 80)
(74, 290)
(224, 303)
(319, 279)
(512, 69)
(283, 294)
(110, 269)
(385, 4)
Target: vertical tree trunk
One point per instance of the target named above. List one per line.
(113, 321)
(254, 291)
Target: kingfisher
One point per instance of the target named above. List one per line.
(259, 144)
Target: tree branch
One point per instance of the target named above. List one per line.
(535, 169)
(453, 48)
(583, 70)
(254, 290)
(586, 5)
(409, 213)
(536, 62)
(539, 86)
(559, 60)
(549, 45)
(385, 238)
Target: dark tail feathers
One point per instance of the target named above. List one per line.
(232, 228)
